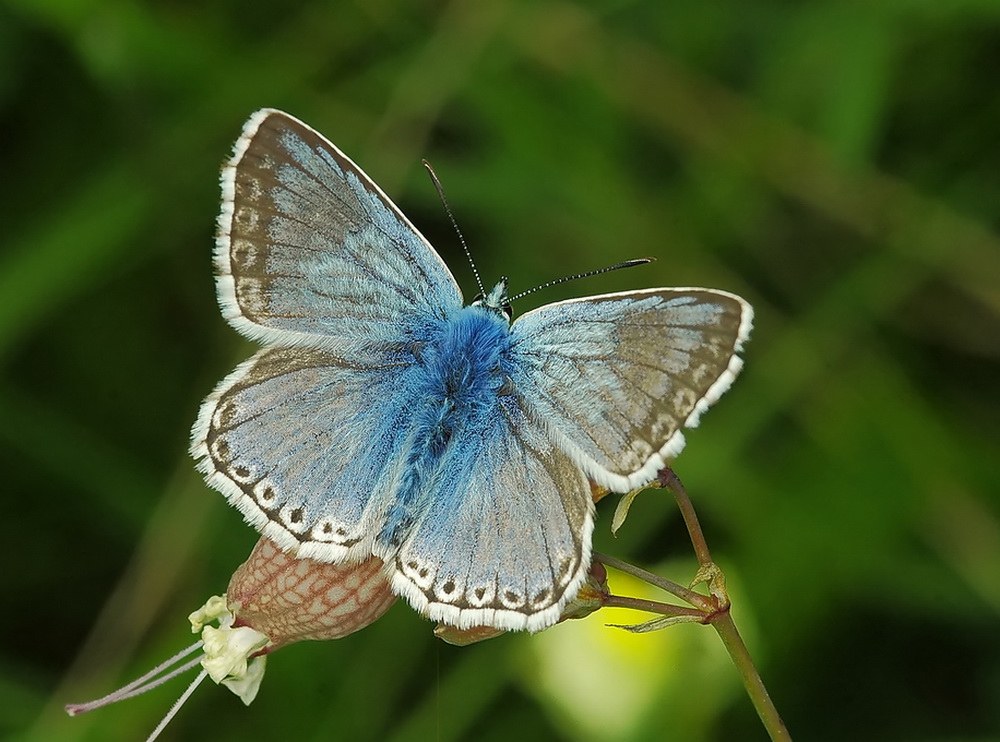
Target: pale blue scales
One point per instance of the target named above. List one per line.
(383, 417)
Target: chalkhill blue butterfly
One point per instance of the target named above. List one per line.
(385, 417)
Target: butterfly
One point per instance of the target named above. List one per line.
(383, 416)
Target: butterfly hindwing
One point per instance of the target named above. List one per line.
(616, 377)
(310, 251)
(505, 541)
(302, 443)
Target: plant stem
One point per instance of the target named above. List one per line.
(761, 699)
(689, 596)
(653, 606)
(721, 619)
(670, 481)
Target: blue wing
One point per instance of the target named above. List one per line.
(315, 261)
(300, 441)
(311, 252)
(505, 540)
(616, 377)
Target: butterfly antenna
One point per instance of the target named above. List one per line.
(447, 209)
(588, 274)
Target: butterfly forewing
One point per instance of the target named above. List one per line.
(310, 250)
(617, 376)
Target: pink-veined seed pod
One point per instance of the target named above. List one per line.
(291, 600)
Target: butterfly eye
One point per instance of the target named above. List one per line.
(482, 300)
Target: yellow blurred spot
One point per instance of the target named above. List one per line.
(607, 684)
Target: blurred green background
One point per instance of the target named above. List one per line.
(836, 163)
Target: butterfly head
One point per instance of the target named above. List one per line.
(496, 300)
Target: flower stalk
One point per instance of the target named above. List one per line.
(712, 609)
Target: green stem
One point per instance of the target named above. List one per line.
(721, 619)
(653, 606)
(672, 482)
(761, 699)
(698, 600)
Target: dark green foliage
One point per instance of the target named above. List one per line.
(835, 163)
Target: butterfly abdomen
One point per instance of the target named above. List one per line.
(461, 375)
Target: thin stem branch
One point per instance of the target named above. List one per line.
(686, 594)
(769, 716)
(713, 609)
(653, 606)
(721, 619)
(670, 481)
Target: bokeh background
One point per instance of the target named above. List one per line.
(837, 163)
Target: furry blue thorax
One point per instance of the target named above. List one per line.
(459, 376)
